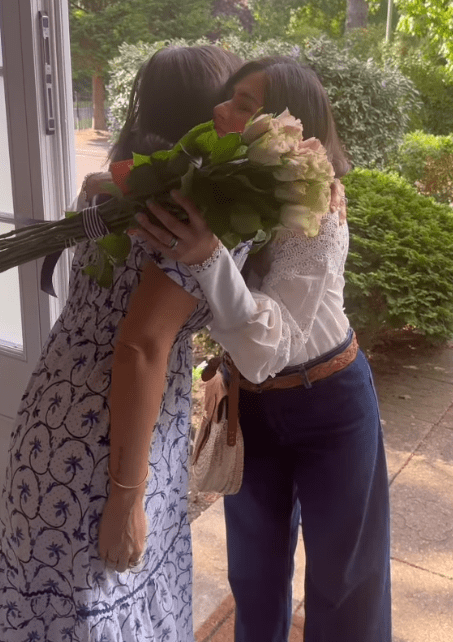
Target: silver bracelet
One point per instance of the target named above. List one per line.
(201, 267)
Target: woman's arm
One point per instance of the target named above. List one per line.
(158, 308)
(262, 330)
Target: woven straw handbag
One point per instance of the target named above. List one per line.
(218, 450)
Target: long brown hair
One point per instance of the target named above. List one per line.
(297, 87)
(176, 89)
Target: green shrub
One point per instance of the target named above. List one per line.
(399, 270)
(427, 162)
(371, 105)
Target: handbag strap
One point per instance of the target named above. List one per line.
(233, 392)
(233, 404)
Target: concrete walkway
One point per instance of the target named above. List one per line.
(91, 149)
(415, 389)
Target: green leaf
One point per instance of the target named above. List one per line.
(117, 246)
(144, 180)
(224, 149)
(179, 164)
(187, 180)
(164, 154)
(206, 142)
(141, 159)
(245, 220)
(189, 139)
(91, 271)
(259, 240)
(111, 188)
(105, 276)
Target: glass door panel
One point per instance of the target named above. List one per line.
(36, 181)
(6, 192)
(11, 335)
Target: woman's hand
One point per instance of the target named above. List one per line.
(338, 200)
(93, 184)
(122, 531)
(191, 243)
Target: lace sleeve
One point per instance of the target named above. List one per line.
(298, 273)
(293, 254)
(302, 270)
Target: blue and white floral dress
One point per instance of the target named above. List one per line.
(53, 586)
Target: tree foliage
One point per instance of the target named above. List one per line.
(98, 27)
(316, 18)
(272, 17)
(430, 19)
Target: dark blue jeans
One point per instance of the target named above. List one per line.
(322, 446)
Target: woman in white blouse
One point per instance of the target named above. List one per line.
(308, 408)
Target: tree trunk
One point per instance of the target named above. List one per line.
(356, 14)
(98, 103)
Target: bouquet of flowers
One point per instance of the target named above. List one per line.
(246, 185)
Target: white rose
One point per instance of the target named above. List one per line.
(317, 198)
(289, 124)
(291, 192)
(306, 163)
(290, 170)
(268, 149)
(256, 128)
(313, 144)
(299, 218)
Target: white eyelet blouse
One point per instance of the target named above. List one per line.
(288, 306)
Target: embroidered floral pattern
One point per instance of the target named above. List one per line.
(53, 586)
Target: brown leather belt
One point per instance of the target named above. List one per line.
(306, 375)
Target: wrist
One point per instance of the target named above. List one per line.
(116, 483)
(205, 262)
(126, 497)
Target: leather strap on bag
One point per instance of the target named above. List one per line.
(233, 392)
(233, 405)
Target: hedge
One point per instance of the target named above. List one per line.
(399, 270)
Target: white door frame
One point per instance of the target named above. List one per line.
(42, 170)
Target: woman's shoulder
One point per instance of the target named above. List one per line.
(292, 251)
(332, 232)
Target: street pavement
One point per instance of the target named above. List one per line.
(91, 148)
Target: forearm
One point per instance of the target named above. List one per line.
(138, 380)
(228, 296)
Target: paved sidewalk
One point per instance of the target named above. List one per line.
(91, 148)
(415, 388)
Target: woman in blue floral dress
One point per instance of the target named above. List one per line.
(88, 401)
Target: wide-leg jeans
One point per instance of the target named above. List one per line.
(321, 445)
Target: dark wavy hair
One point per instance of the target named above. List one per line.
(296, 87)
(176, 89)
